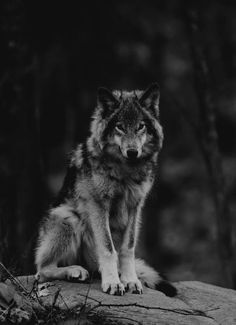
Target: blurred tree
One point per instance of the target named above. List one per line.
(208, 137)
(20, 166)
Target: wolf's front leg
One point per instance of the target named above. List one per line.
(105, 250)
(127, 254)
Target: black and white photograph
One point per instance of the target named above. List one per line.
(118, 162)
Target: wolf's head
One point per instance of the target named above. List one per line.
(126, 124)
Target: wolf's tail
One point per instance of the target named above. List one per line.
(152, 279)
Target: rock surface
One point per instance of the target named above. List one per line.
(196, 303)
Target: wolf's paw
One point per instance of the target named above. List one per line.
(116, 289)
(77, 273)
(133, 286)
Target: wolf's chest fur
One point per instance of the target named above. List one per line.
(119, 188)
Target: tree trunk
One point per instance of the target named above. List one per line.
(209, 145)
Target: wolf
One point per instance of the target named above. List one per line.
(93, 224)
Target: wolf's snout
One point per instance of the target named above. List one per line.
(132, 153)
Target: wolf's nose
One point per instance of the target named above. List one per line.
(132, 153)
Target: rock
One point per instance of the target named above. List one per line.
(6, 294)
(196, 303)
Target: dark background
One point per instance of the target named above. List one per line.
(54, 56)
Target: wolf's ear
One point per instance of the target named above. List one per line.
(150, 99)
(106, 100)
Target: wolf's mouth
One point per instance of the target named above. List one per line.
(132, 161)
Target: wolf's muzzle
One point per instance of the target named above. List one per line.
(132, 153)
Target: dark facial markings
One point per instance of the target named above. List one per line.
(110, 126)
(127, 116)
(120, 128)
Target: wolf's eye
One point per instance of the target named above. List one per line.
(120, 128)
(141, 126)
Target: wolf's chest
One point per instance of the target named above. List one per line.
(124, 200)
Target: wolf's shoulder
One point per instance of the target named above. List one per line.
(75, 167)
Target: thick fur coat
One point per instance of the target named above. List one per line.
(94, 222)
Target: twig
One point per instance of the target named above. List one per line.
(89, 297)
(62, 298)
(8, 310)
(83, 307)
(34, 287)
(56, 297)
(13, 279)
(53, 303)
(176, 310)
(89, 288)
